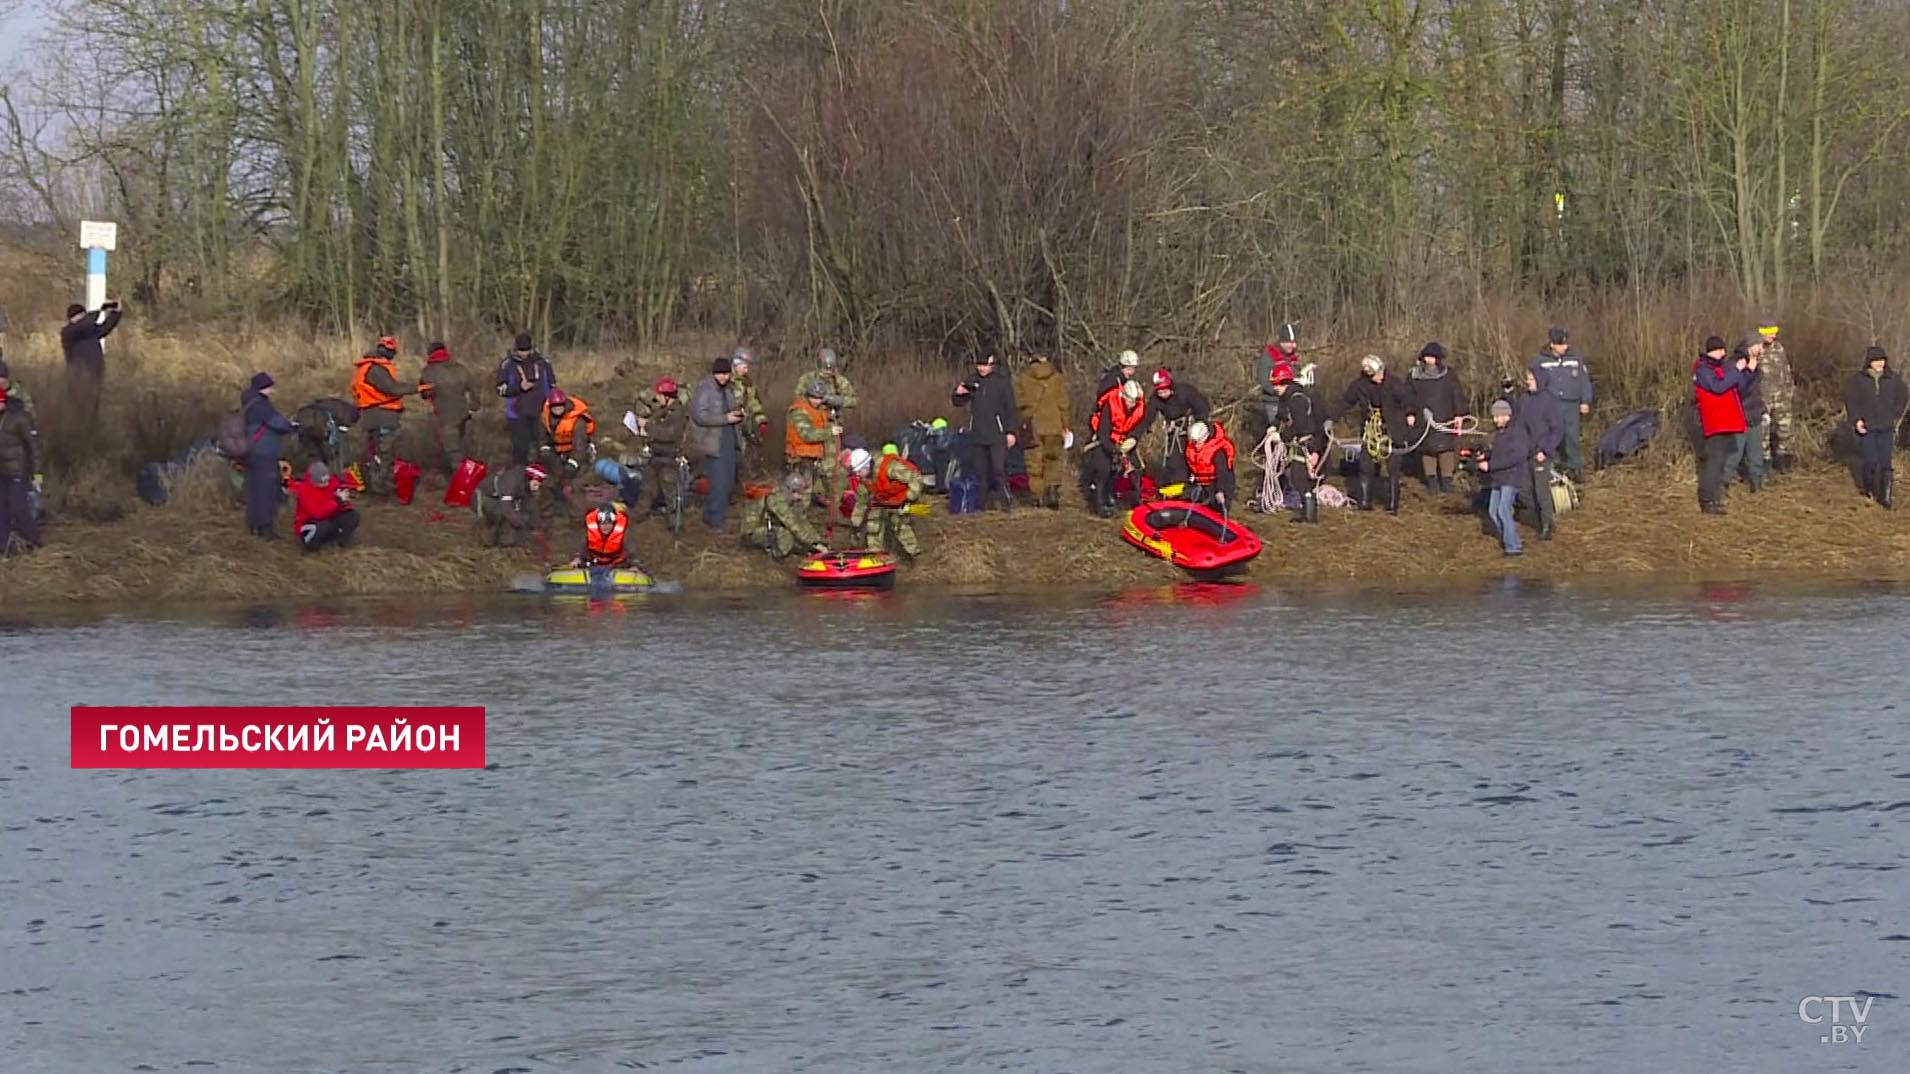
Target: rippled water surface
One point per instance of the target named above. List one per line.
(1175, 830)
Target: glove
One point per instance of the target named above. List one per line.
(39, 483)
(819, 548)
(1767, 420)
(762, 430)
(834, 402)
(571, 464)
(1127, 445)
(835, 430)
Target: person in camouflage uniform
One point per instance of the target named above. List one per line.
(507, 506)
(1780, 396)
(1042, 395)
(882, 513)
(664, 428)
(811, 439)
(778, 523)
(755, 419)
(827, 383)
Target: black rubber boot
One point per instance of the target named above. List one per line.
(1883, 489)
(1309, 509)
(1392, 496)
(1363, 494)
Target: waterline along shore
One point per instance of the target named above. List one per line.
(1637, 521)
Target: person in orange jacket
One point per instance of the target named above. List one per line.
(605, 533)
(379, 397)
(1210, 465)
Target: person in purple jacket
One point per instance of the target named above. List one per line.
(524, 379)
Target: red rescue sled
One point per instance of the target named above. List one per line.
(861, 568)
(464, 482)
(1194, 538)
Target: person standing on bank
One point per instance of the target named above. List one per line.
(265, 427)
(85, 356)
(21, 467)
(1565, 374)
(1780, 391)
(1041, 392)
(1508, 469)
(1717, 387)
(716, 438)
(1875, 398)
(992, 420)
(1437, 389)
(1749, 459)
(524, 379)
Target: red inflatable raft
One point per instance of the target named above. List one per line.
(860, 568)
(1189, 536)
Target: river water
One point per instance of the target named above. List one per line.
(1181, 830)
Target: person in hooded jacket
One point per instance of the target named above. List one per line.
(1042, 394)
(21, 464)
(454, 397)
(524, 380)
(1875, 398)
(1373, 392)
(1717, 388)
(1178, 405)
(266, 428)
(1436, 388)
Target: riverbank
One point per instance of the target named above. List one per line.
(1633, 522)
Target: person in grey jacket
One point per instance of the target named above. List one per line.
(1567, 377)
(716, 419)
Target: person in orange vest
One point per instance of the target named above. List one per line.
(810, 436)
(881, 511)
(379, 397)
(1210, 465)
(604, 533)
(568, 428)
(1121, 418)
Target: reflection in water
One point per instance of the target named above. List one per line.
(1189, 828)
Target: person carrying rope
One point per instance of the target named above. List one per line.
(1299, 434)
(1210, 465)
(1382, 406)
(1180, 405)
(1440, 400)
(1121, 417)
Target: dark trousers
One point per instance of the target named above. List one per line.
(523, 439)
(1538, 488)
(1570, 457)
(721, 471)
(338, 529)
(1712, 456)
(1873, 455)
(19, 530)
(989, 463)
(452, 446)
(1099, 470)
(262, 492)
(1174, 463)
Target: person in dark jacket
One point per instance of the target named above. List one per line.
(1371, 395)
(1179, 405)
(454, 397)
(507, 506)
(1539, 413)
(266, 428)
(1875, 398)
(1437, 389)
(1506, 469)
(993, 418)
(80, 338)
(1302, 429)
(1717, 388)
(1748, 457)
(1128, 367)
(21, 464)
(524, 380)
(1565, 374)
(716, 438)
(1285, 348)
(324, 433)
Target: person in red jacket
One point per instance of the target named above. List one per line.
(322, 511)
(1718, 387)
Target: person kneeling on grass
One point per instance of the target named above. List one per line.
(1508, 469)
(322, 510)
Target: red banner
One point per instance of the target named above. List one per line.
(317, 737)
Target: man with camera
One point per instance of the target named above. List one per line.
(85, 356)
(992, 419)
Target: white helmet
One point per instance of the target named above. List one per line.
(1198, 432)
(1131, 390)
(1371, 364)
(859, 460)
(1130, 360)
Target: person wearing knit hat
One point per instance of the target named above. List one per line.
(1435, 388)
(1718, 388)
(1508, 470)
(453, 394)
(82, 340)
(716, 438)
(264, 429)
(524, 380)
(1565, 373)
(322, 512)
(1875, 398)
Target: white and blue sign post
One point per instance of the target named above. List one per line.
(97, 237)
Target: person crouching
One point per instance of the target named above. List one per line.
(1210, 465)
(1508, 469)
(322, 511)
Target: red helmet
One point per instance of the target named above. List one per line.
(387, 346)
(1282, 373)
(536, 472)
(558, 398)
(1163, 380)
(666, 386)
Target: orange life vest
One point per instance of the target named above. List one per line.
(1203, 458)
(366, 397)
(795, 446)
(887, 489)
(563, 434)
(1126, 418)
(605, 548)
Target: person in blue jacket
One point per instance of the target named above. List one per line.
(1564, 374)
(265, 427)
